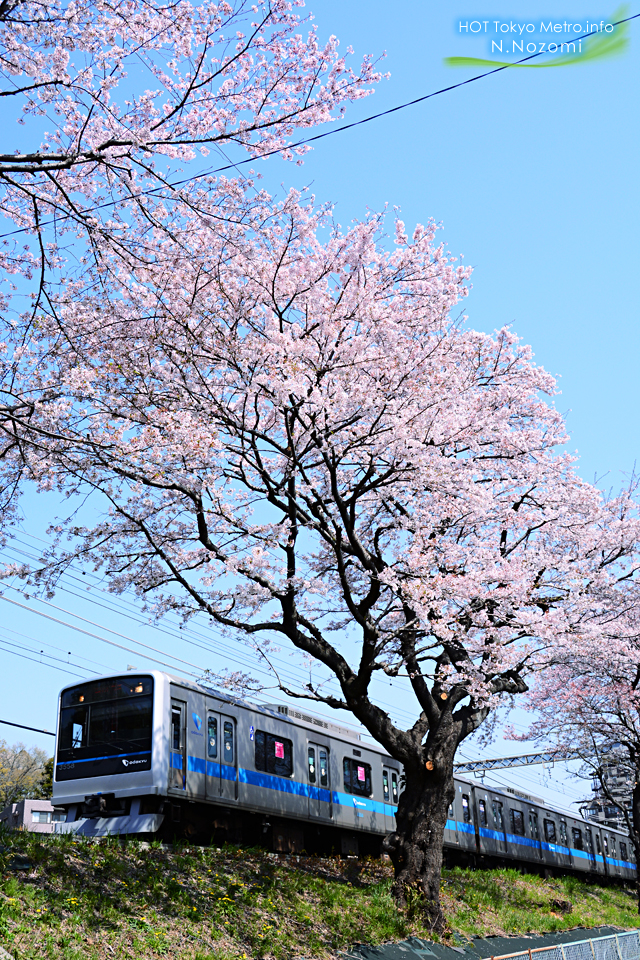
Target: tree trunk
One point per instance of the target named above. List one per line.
(416, 846)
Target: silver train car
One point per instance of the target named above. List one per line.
(153, 755)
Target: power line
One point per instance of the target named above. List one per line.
(49, 656)
(27, 636)
(109, 630)
(50, 665)
(95, 636)
(22, 727)
(301, 143)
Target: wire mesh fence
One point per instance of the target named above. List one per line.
(621, 946)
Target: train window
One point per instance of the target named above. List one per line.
(498, 814)
(606, 846)
(466, 810)
(357, 777)
(77, 731)
(577, 838)
(598, 846)
(482, 812)
(311, 762)
(563, 833)
(394, 786)
(212, 734)
(613, 847)
(274, 754)
(450, 809)
(228, 741)
(623, 850)
(517, 822)
(549, 831)
(324, 767)
(385, 784)
(176, 733)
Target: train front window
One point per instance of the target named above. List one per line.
(105, 727)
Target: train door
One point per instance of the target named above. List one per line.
(497, 811)
(605, 869)
(389, 811)
(178, 746)
(567, 856)
(488, 838)
(222, 757)
(452, 825)
(534, 830)
(590, 849)
(318, 776)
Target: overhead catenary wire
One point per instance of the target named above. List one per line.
(9, 723)
(52, 666)
(304, 142)
(109, 630)
(52, 646)
(10, 644)
(112, 643)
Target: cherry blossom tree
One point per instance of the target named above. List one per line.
(118, 103)
(589, 704)
(286, 428)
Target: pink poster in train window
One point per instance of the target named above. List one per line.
(279, 750)
(361, 774)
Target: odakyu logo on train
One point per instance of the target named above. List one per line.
(131, 763)
(197, 721)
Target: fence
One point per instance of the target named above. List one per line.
(622, 946)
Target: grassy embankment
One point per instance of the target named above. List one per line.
(67, 900)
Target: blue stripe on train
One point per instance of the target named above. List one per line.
(284, 785)
(526, 842)
(110, 756)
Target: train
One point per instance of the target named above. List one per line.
(152, 755)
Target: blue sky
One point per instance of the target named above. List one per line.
(533, 174)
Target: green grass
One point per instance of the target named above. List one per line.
(489, 902)
(62, 899)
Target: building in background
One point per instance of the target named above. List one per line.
(37, 816)
(607, 806)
